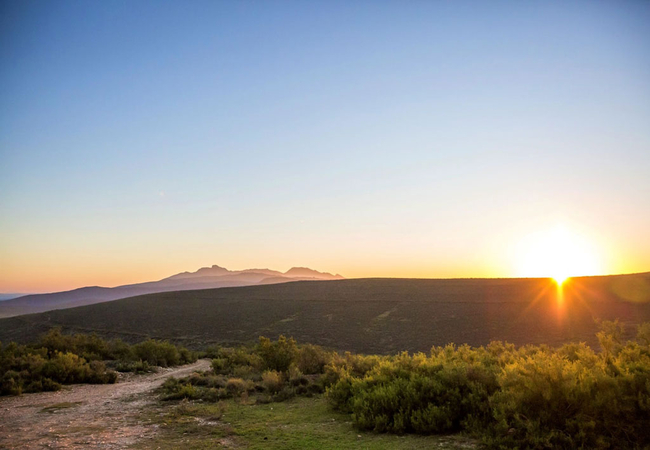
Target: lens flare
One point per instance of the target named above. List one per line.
(558, 254)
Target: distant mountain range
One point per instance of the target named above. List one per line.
(204, 278)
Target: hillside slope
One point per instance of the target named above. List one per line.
(364, 315)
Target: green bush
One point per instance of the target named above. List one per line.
(313, 359)
(134, 366)
(295, 376)
(277, 355)
(183, 391)
(244, 370)
(531, 397)
(437, 394)
(221, 366)
(576, 398)
(57, 359)
(272, 381)
(207, 380)
(120, 351)
(236, 386)
(162, 353)
(90, 346)
(157, 353)
(228, 359)
(34, 370)
(527, 397)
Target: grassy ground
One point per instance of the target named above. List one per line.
(301, 423)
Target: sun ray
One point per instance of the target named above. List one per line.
(543, 293)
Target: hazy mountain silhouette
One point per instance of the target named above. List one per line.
(204, 278)
(310, 273)
(8, 296)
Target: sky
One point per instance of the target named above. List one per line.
(367, 138)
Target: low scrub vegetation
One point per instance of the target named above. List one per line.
(530, 397)
(526, 397)
(58, 359)
(270, 371)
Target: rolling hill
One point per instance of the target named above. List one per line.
(363, 315)
(204, 278)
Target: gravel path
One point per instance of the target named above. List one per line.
(84, 416)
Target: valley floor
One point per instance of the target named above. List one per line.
(129, 415)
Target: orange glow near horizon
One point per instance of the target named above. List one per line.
(48, 279)
(557, 253)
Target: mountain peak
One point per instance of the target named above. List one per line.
(295, 272)
(215, 270)
(306, 272)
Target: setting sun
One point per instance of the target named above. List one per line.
(560, 278)
(557, 253)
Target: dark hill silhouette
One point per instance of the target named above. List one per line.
(204, 278)
(364, 315)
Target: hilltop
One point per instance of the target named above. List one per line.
(364, 315)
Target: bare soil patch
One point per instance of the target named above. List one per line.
(85, 416)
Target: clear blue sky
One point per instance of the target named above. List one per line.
(417, 138)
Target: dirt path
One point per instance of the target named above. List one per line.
(84, 416)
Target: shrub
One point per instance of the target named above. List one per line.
(284, 394)
(236, 386)
(413, 394)
(207, 380)
(157, 353)
(313, 359)
(531, 397)
(246, 372)
(63, 359)
(296, 377)
(183, 391)
(272, 381)
(90, 346)
(212, 351)
(120, 350)
(10, 384)
(221, 366)
(277, 355)
(134, 366)
(186, 356)
(228, 359)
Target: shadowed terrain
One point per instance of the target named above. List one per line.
(363, 315)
